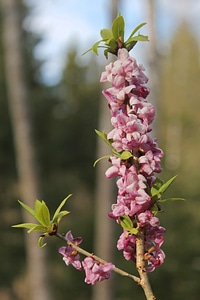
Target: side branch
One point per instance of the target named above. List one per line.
(141, 267)
(86, 253)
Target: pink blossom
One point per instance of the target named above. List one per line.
(116, 167)
(120, 208)
(146, 218)
(156, 259)
(123, 55)
(126, 243)
(71, 256)
(107, 74)
(95, 271)
(131, 117)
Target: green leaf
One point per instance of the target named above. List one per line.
(95, 47)
(42, 214)
(133, 41)
(155, 209)
(37, 205)
(60, 215)
(106, 53)
(103, 136)
(138, 38)
(126, 155)
(38, 228)
(40, 242)
(155, 188)
(126, 222)
(27, 208)
(25, 225)
(141, 38)
(96, 161)
(166, 185)
(114, 38)
(130, 45)
(159, 187)
(111, 45)
(87, 51)
(171, 199)
(106, 34)
(118, 28)
(133, 230)
(56, 215)
(158, 183)
(135, 30)
(31, 227)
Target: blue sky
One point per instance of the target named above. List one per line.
(62, 23)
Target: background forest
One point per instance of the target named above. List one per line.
(62, 118)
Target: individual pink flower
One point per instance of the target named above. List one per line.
(146, 218)
(95, 271)
(126, 243)
(107, 74)
(114, 170)
(71, 256)
(156, 258)
(120, 208)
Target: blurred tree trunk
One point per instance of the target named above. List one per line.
(153, 59)
(25, 157)
(152, 50)
(105, 196)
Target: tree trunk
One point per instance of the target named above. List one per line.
(25, 157)
(153, 60)
(105, 196)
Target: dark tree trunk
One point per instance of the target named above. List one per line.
(25, 157)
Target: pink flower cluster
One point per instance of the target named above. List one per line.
(131, 117)
(94, 270)
(71, 256)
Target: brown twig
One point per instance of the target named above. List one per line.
(141, 267)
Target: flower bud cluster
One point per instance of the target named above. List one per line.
(131, 117)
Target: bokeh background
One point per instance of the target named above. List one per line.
(50, 104)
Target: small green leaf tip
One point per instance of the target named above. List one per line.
(127, 224)
(41, 214)
(159, 187)
(113, 39)
(103, 136)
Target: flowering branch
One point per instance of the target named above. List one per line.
(135, 161)
(96, 258)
